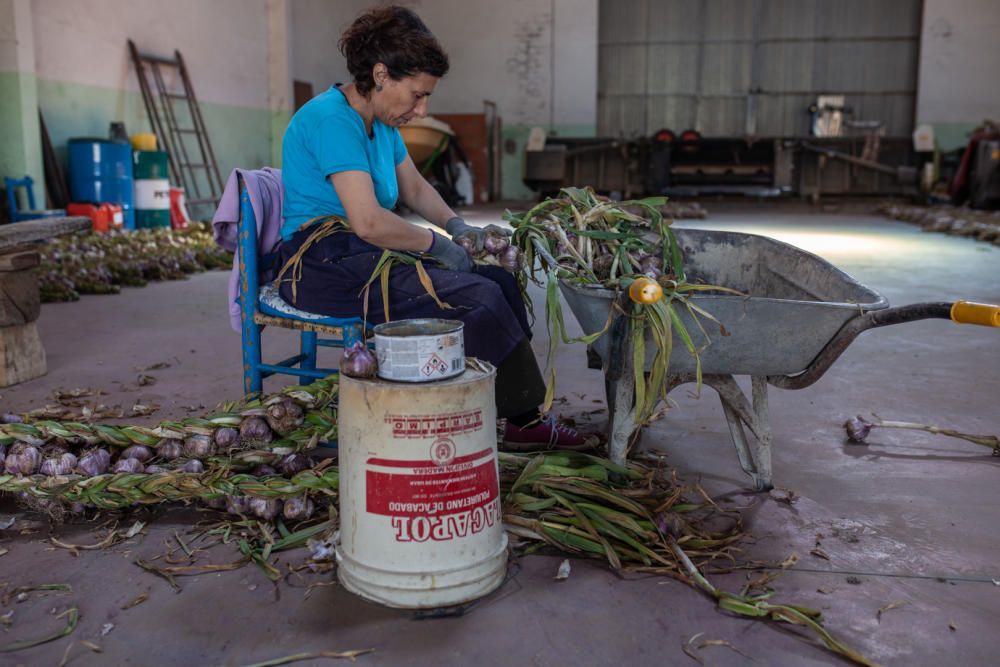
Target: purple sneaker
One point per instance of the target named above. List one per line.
(544, 435)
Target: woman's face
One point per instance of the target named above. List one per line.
(401, 101)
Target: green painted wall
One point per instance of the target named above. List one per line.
(241, 136)
(20, 146)
(279, 122)
(952, 135)
(512, 164)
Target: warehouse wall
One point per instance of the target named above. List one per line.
(959, 61)
(86, 79)
(537, 59)
(19, 154)
(78, 71)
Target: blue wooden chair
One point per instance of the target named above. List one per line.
(31, 213)
(261, 305)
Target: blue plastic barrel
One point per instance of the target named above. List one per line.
(100, 171)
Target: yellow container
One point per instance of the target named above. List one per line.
(144, 142)
(423, 136)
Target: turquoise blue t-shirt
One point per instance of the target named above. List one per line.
(327, 136)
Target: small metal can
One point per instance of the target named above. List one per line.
(421, 350)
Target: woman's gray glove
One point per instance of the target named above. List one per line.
(449, 253)
(459, 229)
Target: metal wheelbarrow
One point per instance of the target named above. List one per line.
(801, 314)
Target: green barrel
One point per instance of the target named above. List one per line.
(152, 189)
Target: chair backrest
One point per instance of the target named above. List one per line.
(247, 248)
(12, 184)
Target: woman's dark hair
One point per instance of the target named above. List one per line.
(395, 37)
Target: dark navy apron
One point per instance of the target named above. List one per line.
(335, 268)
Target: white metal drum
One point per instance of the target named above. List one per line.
(419, 490)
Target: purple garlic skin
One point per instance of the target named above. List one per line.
(129, 466)
(59, 465)
(495, 243)
(23, 461)
(255, 431)
(170, 448)
(238, 504)
(194, 465)
(359, 362)
(512, 259)
(264, 470)
(139, 452)
(155, 469)
(215, 503)
(199, 446)
(857, 429)
(294, 463)
(468, 244)
(284, 416)
(651, 266)
(650, 261)
(226, 437)
(9, 418)
(94, 462)
(297, 509)
(265, 508)
(104, 455)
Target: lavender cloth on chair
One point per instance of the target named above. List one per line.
(266, 197)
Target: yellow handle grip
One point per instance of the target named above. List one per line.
(967, 312)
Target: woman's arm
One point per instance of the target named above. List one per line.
(420, 196)
(373, 223)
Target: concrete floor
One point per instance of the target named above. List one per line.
(910, 519)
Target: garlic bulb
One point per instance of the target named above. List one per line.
(23, 460)
(170, 448)
(227, 437)
(238, 504)
(139, 452)
(293, 463)
(199, 446)
(298, 508)
(61, 465)
(265, 508)
(284, 416)
(255, 431)
(129, 466)
(94, 462)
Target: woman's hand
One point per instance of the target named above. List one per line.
(459, 229)
(450, 254)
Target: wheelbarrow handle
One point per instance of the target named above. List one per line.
(969, 312)
(961, 312)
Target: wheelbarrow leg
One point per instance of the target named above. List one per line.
(754, 455)
(620, 394)
(619, 387)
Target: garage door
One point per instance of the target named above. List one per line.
(753, 67)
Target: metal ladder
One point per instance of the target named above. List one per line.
(201, 180)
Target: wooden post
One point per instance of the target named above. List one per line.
(22, 356)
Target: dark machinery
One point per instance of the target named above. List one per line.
(704, 166)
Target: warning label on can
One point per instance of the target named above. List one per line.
(427, 500)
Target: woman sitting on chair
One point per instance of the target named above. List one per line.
(343, 156)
